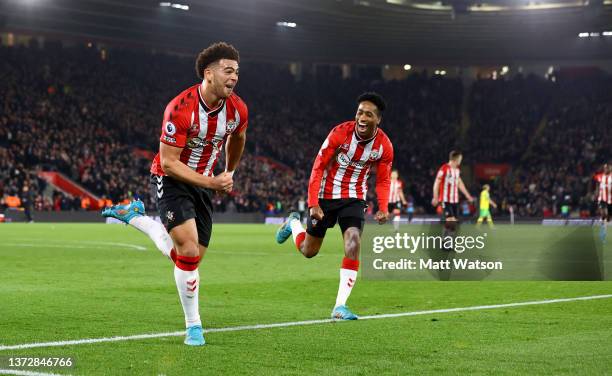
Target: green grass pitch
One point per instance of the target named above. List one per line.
(75, 281)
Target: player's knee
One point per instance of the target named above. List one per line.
(189, 248)
(310, 249)
(310, 246)
(310, 253)
(352, 243)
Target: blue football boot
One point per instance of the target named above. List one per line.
(343, 313)
(195, 336)
(284, 232)
(126, 212)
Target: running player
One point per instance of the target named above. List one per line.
(603, 182)
(337, 191)
(485, 201)
(446, 189)
(196, 125)
(396, 199)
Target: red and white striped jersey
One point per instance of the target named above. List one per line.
(449, 184)
(605, 187)
(201, 132)
(343, 164)
(394, 191)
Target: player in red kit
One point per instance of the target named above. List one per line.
(446, 189)
(337, 191)
(197, 124)
(603, 181)
(396, 199)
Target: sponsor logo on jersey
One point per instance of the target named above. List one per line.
(170, 139)
(170, 128)
(195, 142)
(231, 125)
(344, 161)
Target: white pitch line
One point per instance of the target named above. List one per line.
(295, 323)
(76, 246)
(27, 373)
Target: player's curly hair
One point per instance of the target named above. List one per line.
(375, 98)
(214, 53)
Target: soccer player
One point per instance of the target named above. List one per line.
(196, 125)
(485, 200)
(603, 182)
(446, 189)
(337, 191)
(396, 199)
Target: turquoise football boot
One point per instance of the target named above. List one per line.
(284, 232)
(195, 336)
(343, 313)
(126, 212)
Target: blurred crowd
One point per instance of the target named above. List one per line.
(95, 117)
(574, 142)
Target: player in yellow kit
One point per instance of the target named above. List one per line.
(485, 201)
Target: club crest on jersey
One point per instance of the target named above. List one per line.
(231, 125)
(374, 155)
(194, 142)
(170, 128)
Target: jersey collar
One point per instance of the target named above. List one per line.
(359, 139)
(211, 112)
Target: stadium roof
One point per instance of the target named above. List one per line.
(365, 31)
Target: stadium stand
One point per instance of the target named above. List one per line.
(96, 119)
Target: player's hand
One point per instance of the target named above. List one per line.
(434, 202)
(223, 183)
(316, 213)
(381, 217)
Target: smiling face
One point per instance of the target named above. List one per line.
(222, 77)
(367, 118)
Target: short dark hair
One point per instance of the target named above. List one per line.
(214, 53)
(454, 154)
(375, 98)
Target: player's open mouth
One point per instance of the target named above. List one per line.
(362, 127)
